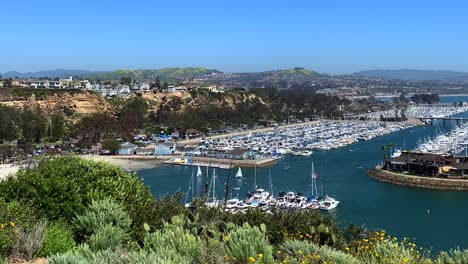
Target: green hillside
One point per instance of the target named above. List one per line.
(298, 71)
(149, 75)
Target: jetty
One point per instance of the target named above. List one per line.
(221, 162)
(418, 181)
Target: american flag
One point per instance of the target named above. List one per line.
(314, 175)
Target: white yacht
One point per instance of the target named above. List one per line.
(328, 203)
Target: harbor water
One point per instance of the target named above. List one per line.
(437, 219)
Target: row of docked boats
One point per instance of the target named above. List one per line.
(302, 140)
(453, 142)
(265, 200)
(418, 111)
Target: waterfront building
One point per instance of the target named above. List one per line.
(429, 164)
(165, 148)
(236, 153)
(127, 148)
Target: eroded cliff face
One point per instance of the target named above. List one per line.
(179, 101)
(85, 102)
(78, 102)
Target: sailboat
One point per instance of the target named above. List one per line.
(213, 202)
(239, 173)
(328, 203)
(313, 202)
(199, 172)
(190, 190)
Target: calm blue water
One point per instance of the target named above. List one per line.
(401, 211)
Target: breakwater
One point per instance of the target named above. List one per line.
(418, 181)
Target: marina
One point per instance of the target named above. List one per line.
(259, 198)
(420, 111)
(363, 200)
(301, 141)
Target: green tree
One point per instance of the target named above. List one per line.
(33, 124)
(111, 145)
(57, 126)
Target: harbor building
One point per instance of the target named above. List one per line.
(429, 164)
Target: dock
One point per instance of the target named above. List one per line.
(223, 163)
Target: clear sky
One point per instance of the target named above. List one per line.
(234, 35)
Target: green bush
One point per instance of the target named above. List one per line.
(454, 256)
(173, 238)
(107, 237)
(6, 242)
(62, 187)
(310, 252)
(17, 213)
(100, 214)
(282, 224)
(247, 244)
(57, 239)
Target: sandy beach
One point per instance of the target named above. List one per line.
(7, 169)
(129, 162)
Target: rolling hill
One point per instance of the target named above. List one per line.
(164, 74)
(58, 73)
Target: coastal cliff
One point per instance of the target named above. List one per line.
(418, 181)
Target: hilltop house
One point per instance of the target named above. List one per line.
(165, 148)
(127, 148)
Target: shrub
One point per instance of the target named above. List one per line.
(104, 225)
(6, 241)
(16, 212)
(28, 242)
(454, 256)
(307, 252)
(100, 214)
(173, 238)
(57, 239)
(282, 224)
(379, 248)
(61, 187)
(107, 237)
(247, 244)
(86, 255)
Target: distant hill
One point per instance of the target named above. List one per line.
(281, 74)
(59, 73)
(164, 74)
(298, 71)
(416, 75)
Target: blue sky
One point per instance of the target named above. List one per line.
(328, 36)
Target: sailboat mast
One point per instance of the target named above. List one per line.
(312, 179)
(271, 183)
(214, 185)
(255, 178)
(227, 184)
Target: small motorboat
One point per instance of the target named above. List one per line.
(328, 203)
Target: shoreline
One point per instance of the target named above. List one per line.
(418, 181)
(130, 162)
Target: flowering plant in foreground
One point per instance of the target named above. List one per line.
(379, 247)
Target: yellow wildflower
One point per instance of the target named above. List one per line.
(251, 260)
(12, 224)
(260, 256)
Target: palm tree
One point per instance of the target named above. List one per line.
(386, 148)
